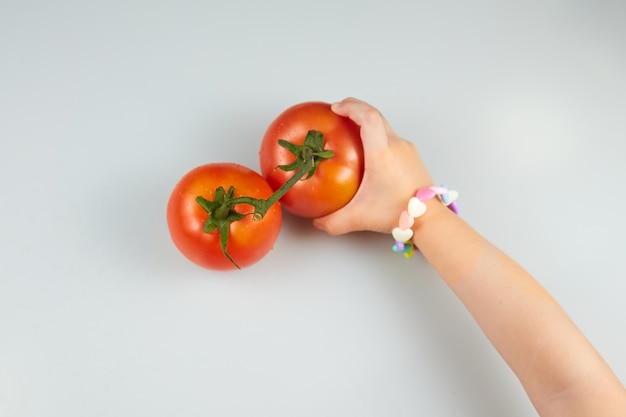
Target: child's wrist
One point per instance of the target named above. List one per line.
(434, 208)
(427, 203)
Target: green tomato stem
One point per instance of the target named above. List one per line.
(262, 206)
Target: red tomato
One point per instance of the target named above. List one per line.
(249, 240)
(336, 180)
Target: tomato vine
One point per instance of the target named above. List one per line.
(221, 212)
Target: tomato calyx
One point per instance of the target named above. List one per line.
(221, 212)
(309, 154)
(220, 215)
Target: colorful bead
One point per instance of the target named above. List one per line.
(406, 221)
(416, 207)
(402, 235)
(406, 248)
(425, 194)
(452, 196)
(409, 253)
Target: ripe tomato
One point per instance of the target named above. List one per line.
(249, 240)
(336, 180)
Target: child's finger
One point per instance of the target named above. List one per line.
(374, 127)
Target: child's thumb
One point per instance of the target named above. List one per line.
(337, 223)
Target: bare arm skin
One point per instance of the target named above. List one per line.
(560, 370)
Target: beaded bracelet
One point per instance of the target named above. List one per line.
(416, 208)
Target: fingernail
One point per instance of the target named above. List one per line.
(317, 225)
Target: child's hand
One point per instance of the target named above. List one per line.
(393, 173)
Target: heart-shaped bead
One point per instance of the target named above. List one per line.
(416, 208)
(425, 194)
(452, 197)
(402, 235)
(406, 221)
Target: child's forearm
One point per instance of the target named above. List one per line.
(561, 372)
(525, 324)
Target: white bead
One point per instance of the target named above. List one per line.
(402, 235)
(416, 208)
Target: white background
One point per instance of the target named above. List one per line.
(104, 105)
